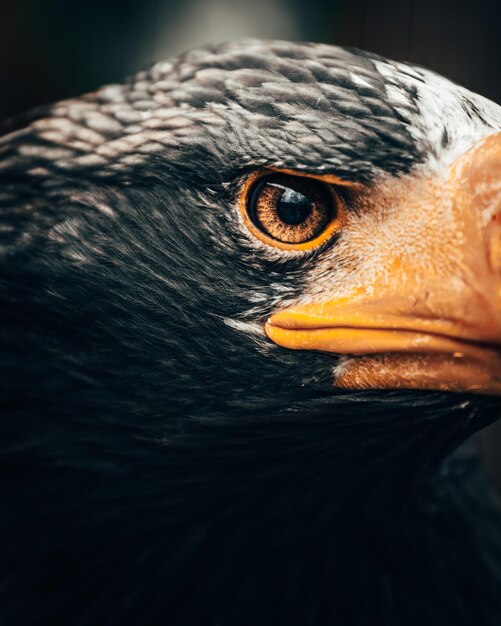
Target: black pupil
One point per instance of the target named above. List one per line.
(294, 208)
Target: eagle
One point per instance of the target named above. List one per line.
(250, 315)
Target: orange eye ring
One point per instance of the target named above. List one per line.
(292, 181)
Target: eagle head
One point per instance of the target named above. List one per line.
(251, 298)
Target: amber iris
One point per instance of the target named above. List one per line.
(291, 209)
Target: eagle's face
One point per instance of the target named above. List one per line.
(256, 227)
(248, 300)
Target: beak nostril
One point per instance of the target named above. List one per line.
(495, 251)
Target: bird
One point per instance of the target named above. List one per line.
(250, 320)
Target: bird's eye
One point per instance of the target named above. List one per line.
(291, 212)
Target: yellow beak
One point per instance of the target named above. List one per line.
(434, 320)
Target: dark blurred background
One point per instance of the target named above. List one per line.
(52, 49)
